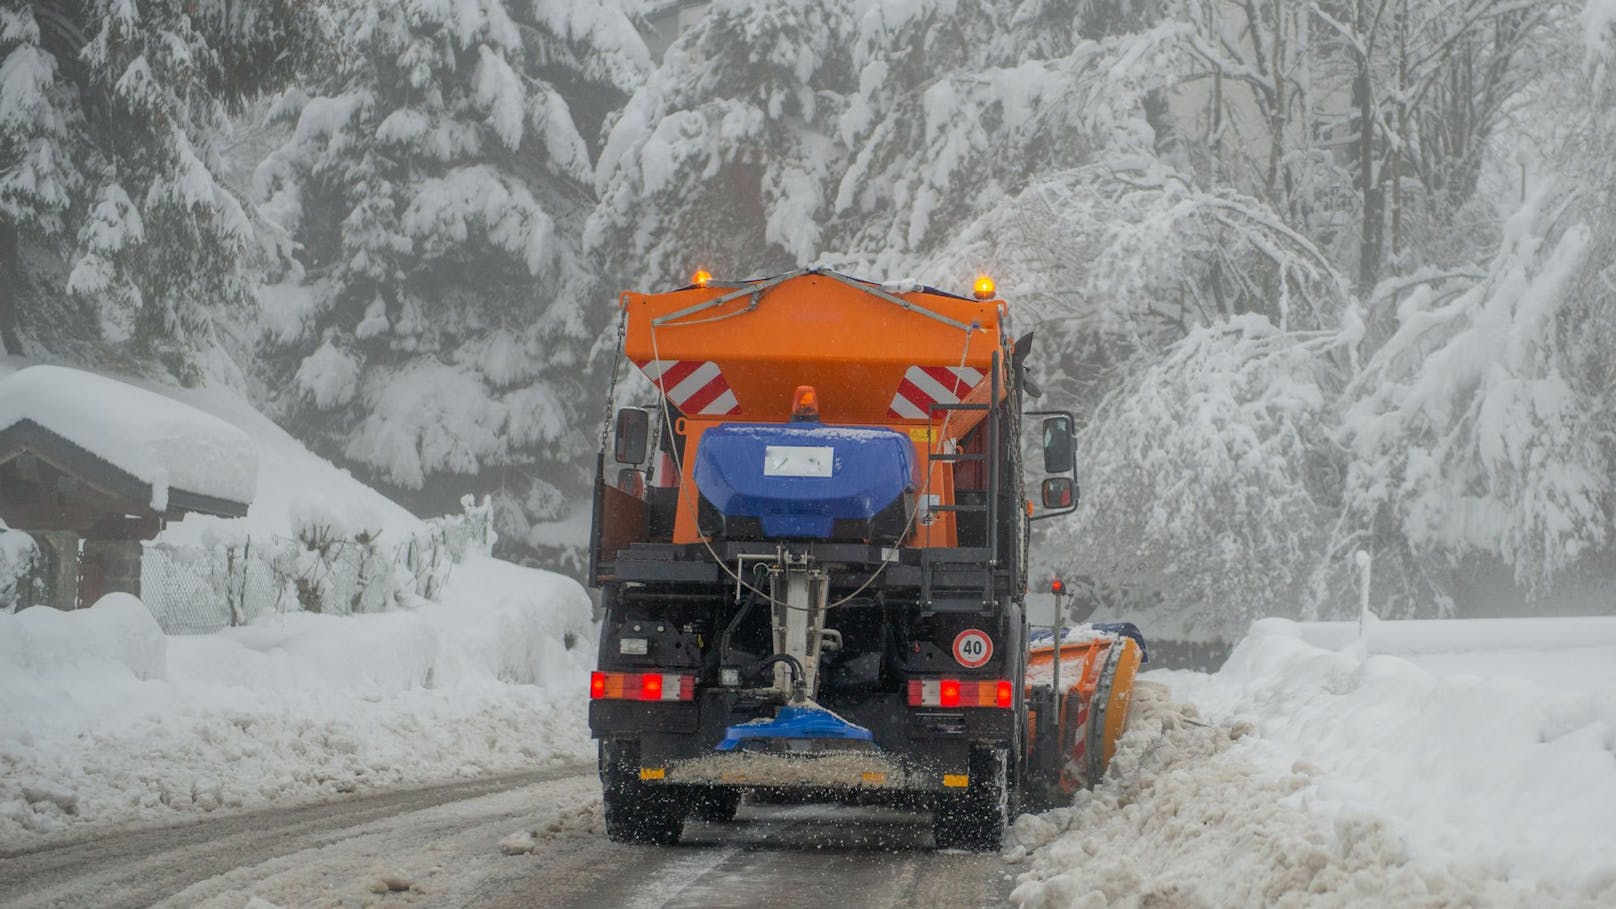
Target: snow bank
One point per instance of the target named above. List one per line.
(105, 721)
(121, 635)
(1408, 638)
(1499, 753)
(154, 438)
(1184, 818)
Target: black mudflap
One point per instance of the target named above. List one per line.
(637, 812)
(976, 818)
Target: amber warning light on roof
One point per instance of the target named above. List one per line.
(984, 289)
(701, 278)
(805, 404)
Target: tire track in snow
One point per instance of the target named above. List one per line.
(140, 868)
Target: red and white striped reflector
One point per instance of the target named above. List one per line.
(642, 686)
(696, 387)
(961, 693)
(924, 387)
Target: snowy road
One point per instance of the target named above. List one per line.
(442, 847)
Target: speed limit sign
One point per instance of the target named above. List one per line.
(973, 648)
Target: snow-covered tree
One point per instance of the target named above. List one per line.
(723, 158)
(1427, 81)
(114, 227)
(947, 122)
(1209, 481)
(436, 311)
(1481, 429)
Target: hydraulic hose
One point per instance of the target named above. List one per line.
(799, 685)
(740, 615)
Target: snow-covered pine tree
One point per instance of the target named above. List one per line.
(855, 135)
(960, 104)
(723, 158)
(436, 314)
(114, 229)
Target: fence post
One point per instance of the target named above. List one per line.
(241, 589)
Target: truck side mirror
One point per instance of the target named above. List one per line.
(631, 481)
(633, 425)
(1060, 492)
(1059, 456)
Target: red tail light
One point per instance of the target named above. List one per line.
(962, 693)
(649, 686)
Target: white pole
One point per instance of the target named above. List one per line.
(1366, 566)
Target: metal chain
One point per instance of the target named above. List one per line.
(611, 385)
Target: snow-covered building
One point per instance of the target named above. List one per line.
(90, 467)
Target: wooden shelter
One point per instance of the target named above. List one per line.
(88, 515)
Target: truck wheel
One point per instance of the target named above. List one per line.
(635, 812)
(716, 805)
(975, 819)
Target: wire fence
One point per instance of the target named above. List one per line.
(202, 589)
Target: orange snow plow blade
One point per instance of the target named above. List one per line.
(1096, 679)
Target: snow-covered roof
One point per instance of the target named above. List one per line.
(171, 447)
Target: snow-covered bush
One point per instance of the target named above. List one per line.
(1208, 481)
(338, 563)
(18, 552)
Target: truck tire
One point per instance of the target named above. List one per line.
(716, 805)
(975, 819)
(635, 812)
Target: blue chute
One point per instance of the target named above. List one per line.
(796, 721)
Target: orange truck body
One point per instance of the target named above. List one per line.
(898, 621)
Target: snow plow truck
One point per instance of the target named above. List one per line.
(811, 551)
